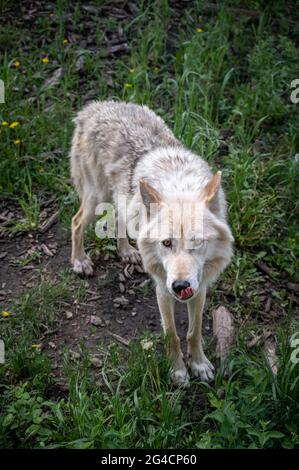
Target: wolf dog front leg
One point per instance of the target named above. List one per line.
(179, 373)
(200, 366)
(126, 251)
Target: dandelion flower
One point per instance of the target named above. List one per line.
(45, 60)
(17, 64)
(199, 30)
(4, 123)
(128, 85)
(17, 142)
(14, 124)
(65, 41)
(5, 314)
(146, 344)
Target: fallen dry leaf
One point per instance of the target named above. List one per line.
(223, 330)
(46, 250)
(270, 352)
(119, 338)
(50, 222)
(54, 79)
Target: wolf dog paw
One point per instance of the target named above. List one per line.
(83, 267)
(203, 369)
(180, 378)
(130, 255)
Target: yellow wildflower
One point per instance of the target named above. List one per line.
(17, 142)
(14, 124)
(131, 70)
(199, 30)
(45, 60)
(65, 41)
(128, 85)
(17, 64)
(5, 314)
(36, 346)
(4, 123)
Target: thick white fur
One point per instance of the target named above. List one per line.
(117, 147)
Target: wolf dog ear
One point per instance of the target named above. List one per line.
(210, 190)
(149, 194)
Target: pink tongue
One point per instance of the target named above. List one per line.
(185, 293)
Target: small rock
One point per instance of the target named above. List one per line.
(122, 287)
(97, 321)
(96, 362)
(52, 345)
(74, 355)
(30, 284)
(120, 300)
(146, 344)
(121, 277)
(68, 315)
(221, 392)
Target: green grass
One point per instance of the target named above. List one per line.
(226, 93)
(131, 404)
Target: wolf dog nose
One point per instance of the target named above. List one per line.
(178, 286)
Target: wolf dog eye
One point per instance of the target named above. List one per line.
(167, 243)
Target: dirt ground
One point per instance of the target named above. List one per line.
(121, 304)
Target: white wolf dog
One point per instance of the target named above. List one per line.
(126, 154)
